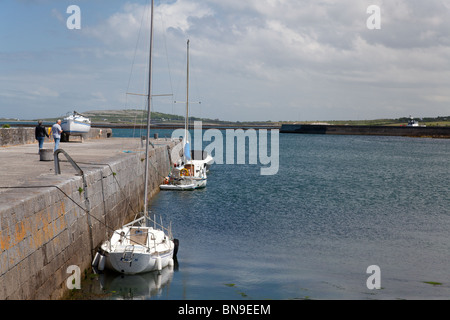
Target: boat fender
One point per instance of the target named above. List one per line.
(96, 260)
(176, 243)
(101, 263)
(158, 263)
(171, 263)
(103, 252)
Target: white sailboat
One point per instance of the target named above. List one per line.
(141, 245)
(190, 174)
(201, 158)
(75, 123)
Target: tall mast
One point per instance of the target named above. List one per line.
(186, 123)
(149, 99)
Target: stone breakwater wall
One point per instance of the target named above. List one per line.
(22, 135)
(429, 132)
(58, 222)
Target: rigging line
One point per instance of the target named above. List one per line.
(51, 186)
(113, 173)
(135, 51)
(115, 179)
(142, 111)
(167, 55)
(132, 68)
(67, 196)
(46, 186)
(62, 191)
(194, 83)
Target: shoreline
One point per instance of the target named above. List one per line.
(437, 132)
(158, 125)
(401, 131)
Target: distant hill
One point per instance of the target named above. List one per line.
(138, 117)
(134, 116)
(129, 116)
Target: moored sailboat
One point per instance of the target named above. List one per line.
(190, 174)
(201, 158)
(141, 245)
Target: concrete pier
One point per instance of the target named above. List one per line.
(49, 222)
(23, 135)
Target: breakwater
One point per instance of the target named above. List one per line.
(49, 222)
(404, 131)
(192, 124)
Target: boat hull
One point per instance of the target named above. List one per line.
(139, 263)
(71, 126)
(192, 184)
(177, 187)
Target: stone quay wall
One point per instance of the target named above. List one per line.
(61, 222)
(22, 135)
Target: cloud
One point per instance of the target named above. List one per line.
(269, 59)
(44, 92)
(57, 14)
(124, 26)
(329, 44)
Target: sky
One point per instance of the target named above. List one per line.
(252, 60)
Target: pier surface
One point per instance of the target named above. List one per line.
(50, 222)
(21, 165)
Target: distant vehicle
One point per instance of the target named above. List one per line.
(413, 123)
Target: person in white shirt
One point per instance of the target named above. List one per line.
(56, 131)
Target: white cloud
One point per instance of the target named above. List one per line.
(122, 27)
(44, 92)
(268, 59)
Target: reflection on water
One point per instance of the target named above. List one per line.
(337, 205)
(137, 287)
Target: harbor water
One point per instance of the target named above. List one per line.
(337, 205)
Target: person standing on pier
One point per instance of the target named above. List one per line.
(40, 133)
(56, 132)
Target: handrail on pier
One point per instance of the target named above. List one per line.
(72, 162)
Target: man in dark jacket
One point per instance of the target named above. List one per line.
(40, 133)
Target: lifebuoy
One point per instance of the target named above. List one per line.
(184, 172)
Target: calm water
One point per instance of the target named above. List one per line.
(338, 205)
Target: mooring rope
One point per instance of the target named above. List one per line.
(77, 204)
(62, 191)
